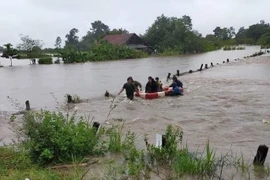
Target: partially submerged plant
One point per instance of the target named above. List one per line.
(73, 98)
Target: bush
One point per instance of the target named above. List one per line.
(45, 60)
(75, 99)
(53, 137)
(105, 51)
(230, 48)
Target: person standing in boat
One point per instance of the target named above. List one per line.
(129, 87)
(159, 84)
(151, 86)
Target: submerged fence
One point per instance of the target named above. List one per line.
(212, 65)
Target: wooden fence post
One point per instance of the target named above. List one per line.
(69, 97)
(201, 67)
(178, 73)
(260, 157)
(27, 104)
(169, 76)
(96, 126)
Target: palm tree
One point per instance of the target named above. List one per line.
(9, 52)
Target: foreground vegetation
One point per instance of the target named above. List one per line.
(50, 138)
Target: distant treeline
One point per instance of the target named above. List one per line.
(256, 34)
(167, 36)
(171, 35)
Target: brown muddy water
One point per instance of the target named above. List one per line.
(225, 104)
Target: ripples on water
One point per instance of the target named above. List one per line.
(90, 80)
(228, 108)
(225, 104)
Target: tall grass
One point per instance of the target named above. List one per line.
(52, 138)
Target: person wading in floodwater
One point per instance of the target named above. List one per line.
(130, 88)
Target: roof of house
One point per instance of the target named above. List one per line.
(118, 38)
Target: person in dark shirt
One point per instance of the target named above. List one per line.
(179, 83)
(151, 86)
(130, 88)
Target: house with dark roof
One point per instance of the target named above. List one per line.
(130, 40)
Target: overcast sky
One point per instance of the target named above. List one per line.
(47, 19)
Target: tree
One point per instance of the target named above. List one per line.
(231, 32)
(265, 40)
(242, 33)
(30, 46)
(118, 31)
(97, 31)
(72, 39)
(211, 37)
(58, 42)
(172, 34)
(187, 21)
(57, 45)
(257, 30)
(218, 32)
(9, 52)
(225, 34)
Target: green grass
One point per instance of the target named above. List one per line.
(54, 138)
(15, 164)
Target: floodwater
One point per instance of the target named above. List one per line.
(36, 83)
(225, 104)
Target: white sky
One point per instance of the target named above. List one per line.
(47, 19)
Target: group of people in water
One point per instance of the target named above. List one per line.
(152, 86)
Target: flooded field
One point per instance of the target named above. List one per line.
(225, 104)
(90, 80)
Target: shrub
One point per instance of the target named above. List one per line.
(45, 60)
(75, 99)
(230, 48)
(52, 137)
(105, 51)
